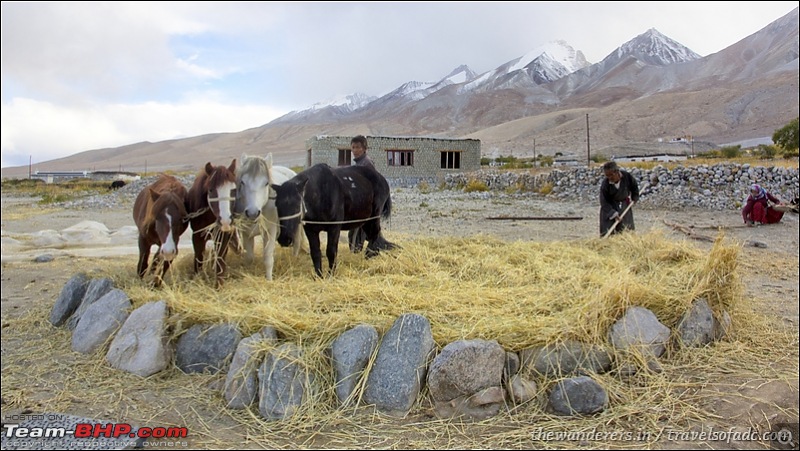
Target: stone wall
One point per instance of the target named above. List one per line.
(723, 186)
(427, 164)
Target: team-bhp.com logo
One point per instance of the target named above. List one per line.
(88, 430)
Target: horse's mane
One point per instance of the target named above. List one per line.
(253, 165)
(204, 182)
(170, 191)
(220, 175)
(282, 174)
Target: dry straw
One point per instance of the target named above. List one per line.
(521, 294)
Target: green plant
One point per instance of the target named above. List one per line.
(787, 136)
(731, 151)
(546, 188)
(475, 185)
(765, 151)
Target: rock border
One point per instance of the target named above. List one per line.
(472, 379)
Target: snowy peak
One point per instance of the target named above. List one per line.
(336, 106)
(350, 102)
(654, 48)
(544, 64)
(556, 51)
(417, 90)
(412, 90)
(460, 74)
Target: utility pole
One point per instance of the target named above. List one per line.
(588, 151)
(145, 168)
(30, 166)
(534, 152)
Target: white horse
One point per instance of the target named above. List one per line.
(255, 204)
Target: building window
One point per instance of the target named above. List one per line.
(451, 160)
(345, 157)
(396, 157)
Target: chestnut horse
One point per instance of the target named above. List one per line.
(159, 213)
(210, 204)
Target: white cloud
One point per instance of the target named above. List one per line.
(78, 76)
(44, 131)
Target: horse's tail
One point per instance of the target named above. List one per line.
(387, 208)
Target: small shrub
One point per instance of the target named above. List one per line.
(766, 152)
(731, 151)
(546, 188)
(475, 185)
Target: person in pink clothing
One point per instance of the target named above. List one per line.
(758, 209)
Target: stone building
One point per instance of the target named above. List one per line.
(61, 176)
(402, 160)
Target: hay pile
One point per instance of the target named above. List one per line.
(518, 293)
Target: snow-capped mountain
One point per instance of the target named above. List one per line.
(654, 48)
(541, 65)
(629, 67)
(650, 87)
(460, 74)
(339, 105)
(415, 90)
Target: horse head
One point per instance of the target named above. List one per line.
(220, 184)
(169, 212)
(252, 181)
(289, 202)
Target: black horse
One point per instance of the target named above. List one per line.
(332, 200)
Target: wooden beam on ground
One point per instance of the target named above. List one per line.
(688, 231)
(535, 218)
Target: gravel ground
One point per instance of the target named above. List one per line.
(770, 273)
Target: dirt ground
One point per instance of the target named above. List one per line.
(770, 273)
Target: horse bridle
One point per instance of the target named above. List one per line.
(217, 199)
(299, 214)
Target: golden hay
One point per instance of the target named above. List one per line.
(520, 293)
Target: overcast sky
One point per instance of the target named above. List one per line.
(83, 76)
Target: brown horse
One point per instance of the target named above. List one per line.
(210, 204)
(160, 215)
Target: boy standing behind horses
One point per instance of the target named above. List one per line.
(358, 146)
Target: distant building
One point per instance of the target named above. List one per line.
(60, 176)
(402, 160)
(660, 157)
(568, 161)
